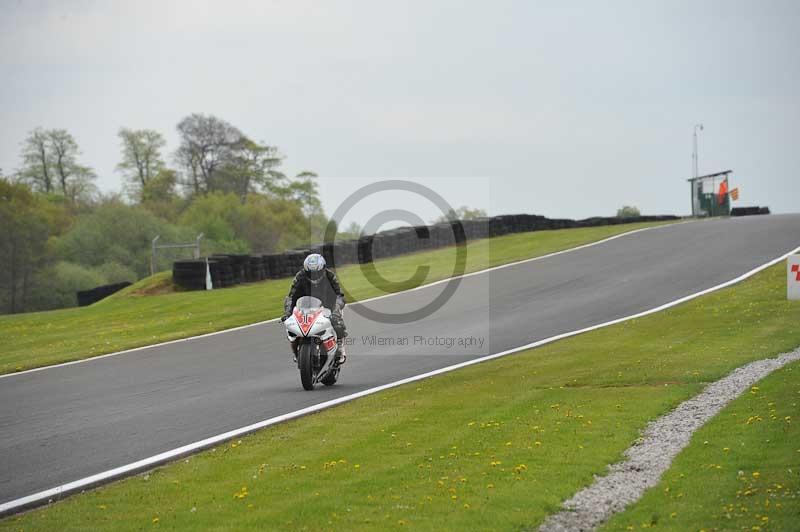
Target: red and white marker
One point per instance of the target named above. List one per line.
(793, 277)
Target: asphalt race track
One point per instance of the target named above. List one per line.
(65, 423)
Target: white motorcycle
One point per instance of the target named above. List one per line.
(314, 342)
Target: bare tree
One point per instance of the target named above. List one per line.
(64, 151)
(37, 170)
(141, 157)
(51, 165)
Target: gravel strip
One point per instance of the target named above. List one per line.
(653, 452)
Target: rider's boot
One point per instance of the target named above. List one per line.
(294, 352)
(341, 356)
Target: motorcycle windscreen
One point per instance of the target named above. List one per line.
(308, 303)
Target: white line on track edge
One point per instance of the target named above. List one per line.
(105, 476)
(239, 328)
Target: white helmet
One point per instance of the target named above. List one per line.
(314, 266)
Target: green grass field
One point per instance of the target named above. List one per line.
(740, 472)
(495, 446)
(126, 320)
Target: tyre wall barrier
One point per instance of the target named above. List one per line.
(749, 211)
(229, 270)
(87, 297)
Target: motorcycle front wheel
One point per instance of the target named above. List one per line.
(305, 361)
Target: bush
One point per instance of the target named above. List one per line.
(119, 233)
(114, 272)
(55, 287)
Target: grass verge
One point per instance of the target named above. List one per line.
(741, 471)
(127, 320)
(493, 446)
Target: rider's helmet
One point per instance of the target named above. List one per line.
(314, 266)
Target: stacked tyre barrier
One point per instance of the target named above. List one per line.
(87, 297)
(190, 274)
(230, 270)
(749, 211)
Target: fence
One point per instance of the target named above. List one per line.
(229, 270)
(154, 256)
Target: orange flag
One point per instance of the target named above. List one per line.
(735, 194)
(723, 191)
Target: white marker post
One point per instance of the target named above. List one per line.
(209, 285)
(793, 277)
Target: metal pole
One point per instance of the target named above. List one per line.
(197, 245)
(153, 256)
(696, 152)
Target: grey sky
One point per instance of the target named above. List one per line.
(565, 109)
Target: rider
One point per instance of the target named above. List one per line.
(318, 281)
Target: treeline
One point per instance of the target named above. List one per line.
(60, 235)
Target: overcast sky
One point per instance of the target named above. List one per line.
(541, 107)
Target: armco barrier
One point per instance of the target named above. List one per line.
(228, 270)
(87, 297)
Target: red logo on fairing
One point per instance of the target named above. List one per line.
(329, 343)
(306, 321)
(796, 271)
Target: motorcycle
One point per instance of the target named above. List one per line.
(314, 342)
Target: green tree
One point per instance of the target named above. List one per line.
(628, 212)
(141, 158)
(215, 156)
(207, 144)
(160, 187)
(23, 242)
(219, 216)
(304, 189)
(274, 224)
(251, 167)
